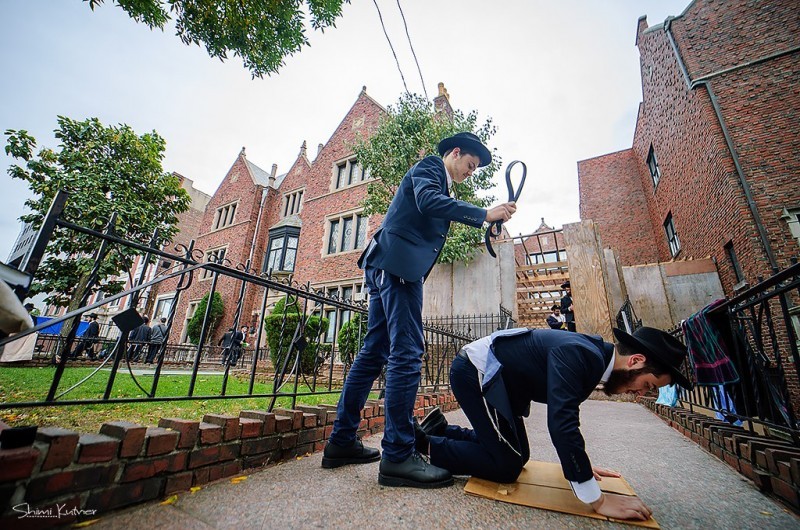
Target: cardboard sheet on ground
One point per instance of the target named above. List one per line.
(542, 485)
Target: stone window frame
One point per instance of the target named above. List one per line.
(342, 174)
(206, 274)
(358, 220)
(673, 241)
(281, 234)
(292, 202)
(191, 308)
(337, 317)
(225, 215)
(792, 217)
(653, 167)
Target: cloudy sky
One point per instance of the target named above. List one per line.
(559, 79)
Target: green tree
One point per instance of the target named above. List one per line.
(196, 322)
(285, 316)
(105, 170)
(261, 32)
(351, 338)
(409, 131)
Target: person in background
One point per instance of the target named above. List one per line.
(555, 319)
(88, 339)
(158, 336)
(566, 306)
(138, 338)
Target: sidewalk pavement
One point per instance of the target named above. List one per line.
(684, 486)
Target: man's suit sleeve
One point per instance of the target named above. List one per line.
(569, 371)
(431, 201)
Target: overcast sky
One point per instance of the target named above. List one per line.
(559, 79)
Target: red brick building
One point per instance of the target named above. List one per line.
(306, 221)
(714, 169)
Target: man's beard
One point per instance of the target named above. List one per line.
(620, 379)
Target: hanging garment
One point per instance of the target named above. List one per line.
(707, 349)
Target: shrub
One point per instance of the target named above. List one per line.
(351, 338)
(196, 322)
(286, 315)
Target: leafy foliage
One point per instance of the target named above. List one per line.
(105, 170)
(351, 338)
(195, 325)
(286, 316)
(261, 32)
(410, 131)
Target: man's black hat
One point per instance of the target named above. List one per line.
(660, 348)
(470, 142)
(565, 284)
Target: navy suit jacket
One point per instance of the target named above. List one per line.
(412, 234)
(552, 367)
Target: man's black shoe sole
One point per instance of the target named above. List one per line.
(330, 463)
(396, 482)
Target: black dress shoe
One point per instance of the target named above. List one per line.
(421, 440)
(434, 423)
(414, 472)
(336, 455)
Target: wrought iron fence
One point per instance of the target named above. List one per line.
(760, 328)
(290, 351)
(474, 326)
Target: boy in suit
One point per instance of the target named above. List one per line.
(398, 258)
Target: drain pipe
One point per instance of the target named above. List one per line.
(729, 141)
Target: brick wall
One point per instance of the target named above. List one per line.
(699, 185)
(772, 464)
(610, 190)
(92, 474)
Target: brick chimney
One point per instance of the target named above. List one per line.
(442, 101)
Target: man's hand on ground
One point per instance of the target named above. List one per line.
(599, 473)
(621, 507)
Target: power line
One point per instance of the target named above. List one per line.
(412, 49)
(390, 46)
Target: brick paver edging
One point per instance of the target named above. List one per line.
(772, 464)
(80, 476)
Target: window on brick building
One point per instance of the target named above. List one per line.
(734, 260)
(337, 317)
(213, 256)
(225, 215)
(347, 173)
(348, 232)
(282, 249)
(672, 236)
(292, 203)
(652, 165)
(163, 307)
(190, 309)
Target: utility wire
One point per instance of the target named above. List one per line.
(390, 46)
(412, 49)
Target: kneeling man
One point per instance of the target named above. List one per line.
(495, 379)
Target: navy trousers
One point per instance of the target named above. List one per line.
(478, 451)
(394, 338)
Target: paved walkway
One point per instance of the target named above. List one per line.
(683, 485)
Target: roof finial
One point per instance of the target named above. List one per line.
(303, 149)
(242, 152)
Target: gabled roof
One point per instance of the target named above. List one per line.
(260, 176)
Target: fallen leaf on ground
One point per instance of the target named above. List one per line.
(84, 524)
(236, 480)
(766, 513)
(195, 489)
(169, 500)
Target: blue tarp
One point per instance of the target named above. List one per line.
(55, 329)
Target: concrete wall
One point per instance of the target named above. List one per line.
(663, 294)
(477, 288)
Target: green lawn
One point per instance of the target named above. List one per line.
(21, 384)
